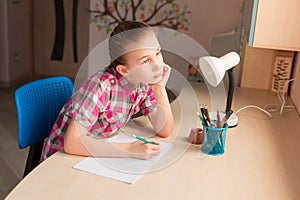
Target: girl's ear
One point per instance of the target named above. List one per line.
(122, 70)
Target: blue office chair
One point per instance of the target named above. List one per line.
(38, 104)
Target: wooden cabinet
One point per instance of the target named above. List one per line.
(61, 31)
(257, 67)
(273, 24)
(295, 90)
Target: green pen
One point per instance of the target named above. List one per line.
(200, 117)
(142, 139)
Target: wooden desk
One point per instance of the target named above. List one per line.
(261, 161)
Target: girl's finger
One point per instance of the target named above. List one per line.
(155, 147)
(154, 141)
(165, 69)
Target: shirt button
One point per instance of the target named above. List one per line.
(113, 81)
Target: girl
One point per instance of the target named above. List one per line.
(107, 100)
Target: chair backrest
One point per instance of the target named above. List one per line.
(38, 104)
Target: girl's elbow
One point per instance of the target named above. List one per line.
(163, 134)
(67, 150)
(70, 143)
(68, 146)
(71, 139)
(166, 132)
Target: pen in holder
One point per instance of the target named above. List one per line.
(213, 140)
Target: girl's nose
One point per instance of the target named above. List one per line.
(155, 67)
(157, 64)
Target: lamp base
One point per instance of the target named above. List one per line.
(232, 121)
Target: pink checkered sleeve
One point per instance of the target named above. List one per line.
(88, 103)
(55, 142)
(149, 103)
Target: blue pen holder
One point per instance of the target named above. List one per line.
(213, 140)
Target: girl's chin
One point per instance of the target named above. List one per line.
(154, 80)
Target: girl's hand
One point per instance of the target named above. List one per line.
(142, 150)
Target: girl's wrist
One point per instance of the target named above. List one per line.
(124, 148)
(159, 91)
(156, 86)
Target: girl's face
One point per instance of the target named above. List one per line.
(145, 63)
(141, 57)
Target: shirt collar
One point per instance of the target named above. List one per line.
(124, 83)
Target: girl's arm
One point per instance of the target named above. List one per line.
(78, 143)
(162, 118)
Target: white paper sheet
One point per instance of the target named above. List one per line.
(122, 169)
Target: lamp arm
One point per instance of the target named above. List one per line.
(230, 89)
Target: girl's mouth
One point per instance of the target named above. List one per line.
(157, 75)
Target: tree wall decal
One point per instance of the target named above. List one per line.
(162, 13)
(58, 46)
(60, 26)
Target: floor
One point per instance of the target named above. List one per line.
(12, 159)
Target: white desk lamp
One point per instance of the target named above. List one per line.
(213, 70)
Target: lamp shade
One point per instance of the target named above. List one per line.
(213, 68)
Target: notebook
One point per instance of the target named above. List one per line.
(126, 170)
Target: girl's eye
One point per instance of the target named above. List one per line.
(146, 61)
(158, 53)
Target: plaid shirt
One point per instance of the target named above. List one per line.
(103, 104)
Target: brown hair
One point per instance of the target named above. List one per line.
(124, 33)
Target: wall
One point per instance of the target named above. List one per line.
(207, 19)
(212, 17)
(3, 44)
(15, 41)
(295, 89)
(20, 39)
